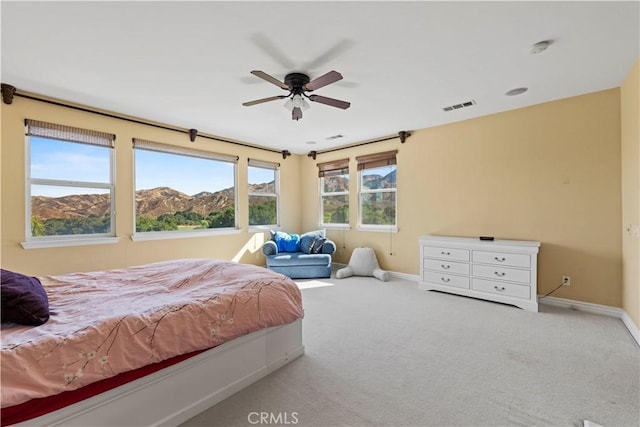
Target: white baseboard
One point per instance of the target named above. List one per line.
(633, 329)
(604, 310)
(405, 276)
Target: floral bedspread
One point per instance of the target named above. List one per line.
(107, 322)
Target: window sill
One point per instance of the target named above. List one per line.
(335, 226)
(163, 235)
(378, 228)
(57, 243)
(263, 228)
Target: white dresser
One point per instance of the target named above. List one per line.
(500, 270)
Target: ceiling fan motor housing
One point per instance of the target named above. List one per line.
(296, 81)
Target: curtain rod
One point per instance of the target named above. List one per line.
(403, 135)
(8, 92)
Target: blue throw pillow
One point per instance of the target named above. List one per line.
(307, 239)
(286, 242)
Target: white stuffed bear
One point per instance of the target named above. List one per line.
(363, 262)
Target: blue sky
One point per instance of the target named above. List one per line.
(190, 175)
(52, 159)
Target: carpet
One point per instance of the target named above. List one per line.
(388, 354)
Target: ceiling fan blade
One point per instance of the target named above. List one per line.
(260, 101)
(269, 47)
(325, 79)
(296, 113)
(270, 79)
(326, 57)
(330, 101)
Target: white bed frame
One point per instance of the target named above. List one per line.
(173, 395)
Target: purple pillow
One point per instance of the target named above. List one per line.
(24, 300)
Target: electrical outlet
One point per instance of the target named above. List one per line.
(566, 280)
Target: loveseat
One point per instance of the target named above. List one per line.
(303, 256)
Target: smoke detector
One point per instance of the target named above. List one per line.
(517, 91)
(540, 47)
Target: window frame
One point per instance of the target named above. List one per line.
(333, 168)
(175, 150)
(252, 163)
(374, 162)
(323, 194)
(35, 242)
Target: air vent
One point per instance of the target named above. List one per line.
(459, 106)
(334, 137)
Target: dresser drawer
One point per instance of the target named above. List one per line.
(446, 279)
(446, 266)
(501, 288)
(502, 273)
(500, 258)
(446, 253)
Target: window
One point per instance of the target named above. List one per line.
(69, 183)
(334, 193)
(377, 190)
(180, 189)
(263, 193)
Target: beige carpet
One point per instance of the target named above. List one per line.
(388, 354)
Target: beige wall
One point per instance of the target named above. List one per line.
(549, 173)
(243, 246)
(630, 118)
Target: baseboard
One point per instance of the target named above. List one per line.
(603, 310)
(405, 276)
(633, 329)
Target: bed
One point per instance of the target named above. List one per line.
(207, 328)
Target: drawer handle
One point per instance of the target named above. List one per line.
(501, 288)
(499, 274)
(445, 279)
(445, 253)
(446, 267)
(503, 259)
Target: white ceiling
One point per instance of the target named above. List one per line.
(187, 64)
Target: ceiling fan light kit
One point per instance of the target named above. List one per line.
(298, 84)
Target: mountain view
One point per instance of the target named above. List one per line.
(157, 209)
(377, 208)
(163, 208)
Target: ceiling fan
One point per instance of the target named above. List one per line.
(298, 84)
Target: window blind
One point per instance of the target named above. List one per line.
(377, 160)
(333, 168)
(69, 133)
(173, 149)
(265, 165)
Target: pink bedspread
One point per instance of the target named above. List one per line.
(107, 322)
